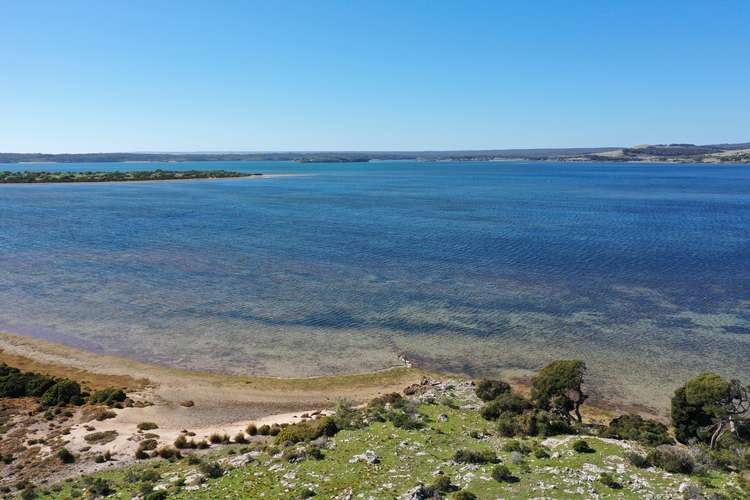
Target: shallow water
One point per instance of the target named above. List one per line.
(480, 268)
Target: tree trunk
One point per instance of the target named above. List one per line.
(717, 434)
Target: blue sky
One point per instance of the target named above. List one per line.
(362, 75)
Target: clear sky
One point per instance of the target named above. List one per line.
(370, 75)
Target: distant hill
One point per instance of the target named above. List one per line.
(712, 153)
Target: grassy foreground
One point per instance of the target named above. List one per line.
(380, 460)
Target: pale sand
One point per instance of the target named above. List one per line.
(223, 404)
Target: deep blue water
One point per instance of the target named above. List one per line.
(480, 268)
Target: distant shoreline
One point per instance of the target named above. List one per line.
(154, 181)
(738, 153)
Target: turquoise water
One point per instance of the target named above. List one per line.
(478, 268)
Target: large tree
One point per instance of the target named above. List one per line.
(708, 406)
(558, 387)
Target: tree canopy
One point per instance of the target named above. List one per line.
(558, 387)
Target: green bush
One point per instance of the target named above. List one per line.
(108, 396)
(148, 444)
(672, 459)
(181, 442)
(100, 487)
(582, 446)
(487, 389)
(61, 393)
(513, 404)
(215, 438)
(65, 456)
(167, 452)
(211, 469)
(439, 487)
(636, 428)
(541, 453)
(502, 474)
(307, 431)
(465, 456)
(637, 460)
(608, 480)
(549, 424)
(515, 445)
(509, 425)
(464, 495)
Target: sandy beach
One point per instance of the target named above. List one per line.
(217, 403)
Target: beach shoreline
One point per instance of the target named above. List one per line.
(178, 400)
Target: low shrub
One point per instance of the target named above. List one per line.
(61, 393)
(541, 453)
(181, 442)
(108, 396)
(240, 438)
(550, 424)
(148, 444)
(315, 452)
(636, 428)
(608, 480)
(167, 452)
(464, 495)
(100, 487)
(65, 456)
(264, 430)
(502, 474)
(251, 430)
(211, 469)
(217, 438)
(465, 456)
(307, 431)
(488, 389)
(439, 487)
(106, 414)
(672, 459)
(637, 460)
(513, 404)
(515, 445)
(147, 426)
(582, 446)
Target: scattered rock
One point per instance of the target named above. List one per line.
(187, 404)
(419, 492)
(443, 418)
(195, 479)
(690, 491)
(243, 460)
(369, 457)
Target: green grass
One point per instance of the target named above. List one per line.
(409, 457)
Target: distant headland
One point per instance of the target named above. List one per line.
(674, 153)
(30, 177)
